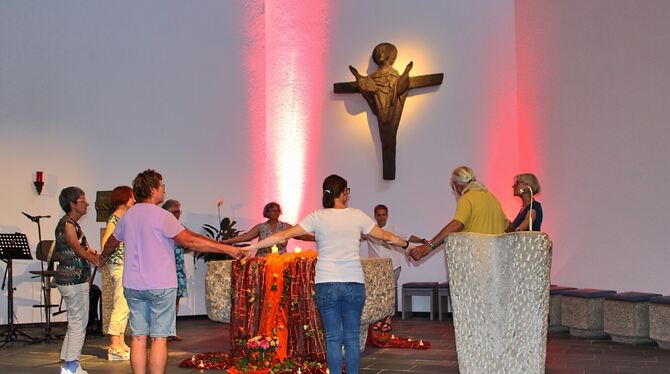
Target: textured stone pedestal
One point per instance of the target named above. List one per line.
(379, 292)
(500, 300)
(659, 321)
(582, 311)
(626, 317)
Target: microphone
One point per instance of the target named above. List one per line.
(34, 218)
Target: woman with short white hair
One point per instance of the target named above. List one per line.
(526, 186)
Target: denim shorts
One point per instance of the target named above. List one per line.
(152, 312)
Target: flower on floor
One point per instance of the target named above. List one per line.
(257, 352)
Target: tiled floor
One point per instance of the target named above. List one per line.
(566, 355)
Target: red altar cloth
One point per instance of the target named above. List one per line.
(274, 297)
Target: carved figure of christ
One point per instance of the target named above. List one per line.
(385, 91)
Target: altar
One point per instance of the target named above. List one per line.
(274, 296)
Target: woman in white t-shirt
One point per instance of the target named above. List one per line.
(339, 281)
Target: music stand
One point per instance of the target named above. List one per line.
(13, 247)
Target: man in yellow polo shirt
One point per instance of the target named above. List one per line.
(477, 210)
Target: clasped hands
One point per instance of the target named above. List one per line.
(418, 252)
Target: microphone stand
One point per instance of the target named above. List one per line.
(46, 288)
(530, 210)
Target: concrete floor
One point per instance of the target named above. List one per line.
(565, 355)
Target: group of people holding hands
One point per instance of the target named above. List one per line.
(139, 248)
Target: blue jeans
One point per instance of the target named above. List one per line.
(152, 312)
(341, 305)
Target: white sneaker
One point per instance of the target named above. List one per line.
(78, 371)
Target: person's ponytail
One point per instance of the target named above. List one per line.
(333, 186)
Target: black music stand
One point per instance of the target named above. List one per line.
(13, 247)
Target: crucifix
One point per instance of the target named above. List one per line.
(385, 91)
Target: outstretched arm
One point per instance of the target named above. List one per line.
(403, 80)
(421, 251)
(308, 237)
(199, 243)
(247, 236)
(279, 237)
(415, 239)
(355, 72)
(388, 237)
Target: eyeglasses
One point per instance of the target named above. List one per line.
(82, 201)
(176, 212)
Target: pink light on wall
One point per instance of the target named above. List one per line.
(500, 135)
(501, 150)
(295, 44)
(254, 34)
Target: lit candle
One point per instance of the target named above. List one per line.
(409, 339)
(39, 176)
(392, 336)
(202, 365)
(275, 250)
(193, 358)
(297, 250)
(420, 343)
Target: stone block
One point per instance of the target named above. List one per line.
(582, 311)
(626, 317)
(659, 321)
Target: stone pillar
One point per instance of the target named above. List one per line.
(500, 300)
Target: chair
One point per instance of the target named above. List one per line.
(44, 253)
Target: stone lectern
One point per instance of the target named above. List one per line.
(500, 299)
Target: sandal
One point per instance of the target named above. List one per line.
(117, 354)
(377, 326)
(386, 327)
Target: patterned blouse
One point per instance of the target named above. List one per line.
(71, 269)
(267, 231)
(181, 271)
(116, 258)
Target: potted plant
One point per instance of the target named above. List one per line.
(226, 230)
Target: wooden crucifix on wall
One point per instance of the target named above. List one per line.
(385, 91)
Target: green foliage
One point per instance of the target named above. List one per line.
(226, 230)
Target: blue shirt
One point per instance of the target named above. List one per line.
(537, 221)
